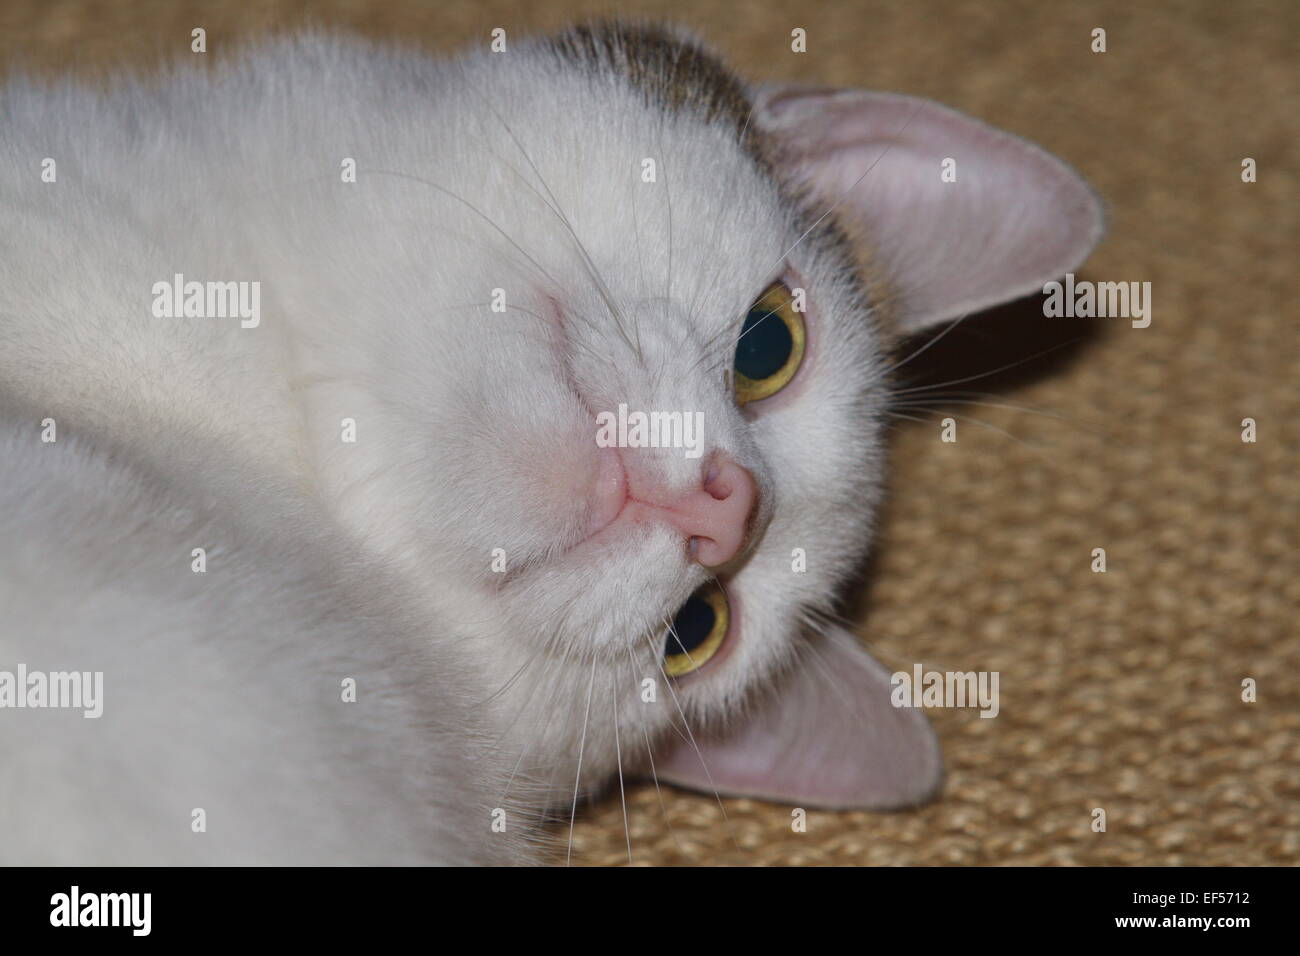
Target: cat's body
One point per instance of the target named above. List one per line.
(454, 558)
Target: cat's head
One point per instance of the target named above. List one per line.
(730, 268)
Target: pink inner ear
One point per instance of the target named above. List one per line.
(826, 736)
(1014, 218)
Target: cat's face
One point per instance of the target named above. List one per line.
(633, 209)
(678, 231)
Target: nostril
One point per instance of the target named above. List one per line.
(716, 487)
(721, 520)
(711, 476)
(713, 518)
(723, 477)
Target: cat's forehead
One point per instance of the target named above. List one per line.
(635, 153)
(672, 72)
(678, 77)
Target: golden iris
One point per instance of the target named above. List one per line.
(697, 631)
(771, 345)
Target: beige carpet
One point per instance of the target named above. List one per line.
(1119, 690)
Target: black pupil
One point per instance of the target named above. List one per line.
(691, 626)
(765, 344)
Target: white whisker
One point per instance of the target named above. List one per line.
(622, 795)
(582, 746)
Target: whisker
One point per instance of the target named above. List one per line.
(698, 753)
(766, 316)
(973, 421)
(582, 746)
(584, 255)
(622, 796)
(654, 775)
(511, 779)
(1002, 368)
(910, 418)
(469, 205)
(951, 325)
(942, 400)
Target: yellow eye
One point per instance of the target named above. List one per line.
(697, 632)
(770, 347)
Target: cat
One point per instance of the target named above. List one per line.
(302, 359)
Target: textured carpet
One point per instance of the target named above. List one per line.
(1120, 690)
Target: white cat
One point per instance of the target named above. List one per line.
(345, 319)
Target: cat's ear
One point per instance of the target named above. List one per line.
(959, 216)
(826, 736)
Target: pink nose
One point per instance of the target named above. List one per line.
(716, 516)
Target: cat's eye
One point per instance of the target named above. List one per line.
(770, 347)
(697, 631)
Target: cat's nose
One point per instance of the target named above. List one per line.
(716, 516)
